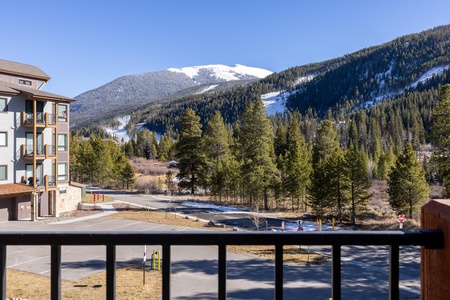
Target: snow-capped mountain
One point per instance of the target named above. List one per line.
(130, 91)
(202, 74)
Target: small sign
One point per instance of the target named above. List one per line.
(401, 218)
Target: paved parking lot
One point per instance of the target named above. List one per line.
(247, 277)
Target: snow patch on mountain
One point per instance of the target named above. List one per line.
(429, 74)
(435, 71)
(120, 132)
(304, 79)
(275, 102)
(207, 89)
(223, 72)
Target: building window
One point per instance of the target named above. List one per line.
(62, 113)
(3, 139)
(62, 142)
(62, 171)
(25, 82)
(3, 104)
(3, 172)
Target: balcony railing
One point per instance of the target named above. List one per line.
(393, 239)
(28, 152)
(50, 181)
(41, 118)
(42, 152)
(50, 151)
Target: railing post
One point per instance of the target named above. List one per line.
(55, 272)
(3, 272)
(394, 273)
(336, 273)
(110, 272)
(166, 272)
(435, 267)
(279, 272)
(222, 272)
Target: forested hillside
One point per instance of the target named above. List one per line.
(407, 72)
(351, 120)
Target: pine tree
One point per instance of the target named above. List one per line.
(217, 151)
(337, 182)
(190, 152)
(296, 166)
(216, 140)
(356, 169)
(408, 188)
(320, 192)
(441, 136)
(127, 174)
(256, 152)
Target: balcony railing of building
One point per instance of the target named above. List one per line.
(394, 239)
(42, 151)
(50, 182)
(50, 151)
(41, 119)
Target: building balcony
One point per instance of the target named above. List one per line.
(50, 182)
(41, 119)
(42, 152)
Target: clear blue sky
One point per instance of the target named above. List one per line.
(83, 44)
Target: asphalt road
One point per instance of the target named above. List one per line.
(194, 268)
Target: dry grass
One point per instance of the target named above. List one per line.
(149, 166)
(129, 285)
(90, 198)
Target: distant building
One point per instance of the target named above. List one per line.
(34, 146)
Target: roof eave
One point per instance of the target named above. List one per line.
(43, 78)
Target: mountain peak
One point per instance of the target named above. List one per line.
(222, 72)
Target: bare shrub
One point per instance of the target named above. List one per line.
(147, 185)
(148, 166)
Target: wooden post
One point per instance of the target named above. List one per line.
(435, 267)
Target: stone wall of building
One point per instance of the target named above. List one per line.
(68, 198)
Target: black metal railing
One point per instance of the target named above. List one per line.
(393, 239)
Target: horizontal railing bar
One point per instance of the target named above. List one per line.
(428, 239)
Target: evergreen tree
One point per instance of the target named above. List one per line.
(127, 174)
(337, 185)
(408, 188)
(217, 151)
(441, 136)
(296, 167)
(190, 152)
(356, 169)
(255, 143)
(216, 140)
(321, 192)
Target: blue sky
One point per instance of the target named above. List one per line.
(86, 43)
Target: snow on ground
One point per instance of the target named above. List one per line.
(429, 74)
(426, 76)
(288, 226)
(275, 102)
(224, 72)
(120, 132)
(206, 89)
(305, 79)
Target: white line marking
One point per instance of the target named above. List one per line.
(125, 225)
(28, 261)
(66, 266)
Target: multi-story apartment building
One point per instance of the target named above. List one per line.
(34, 146)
